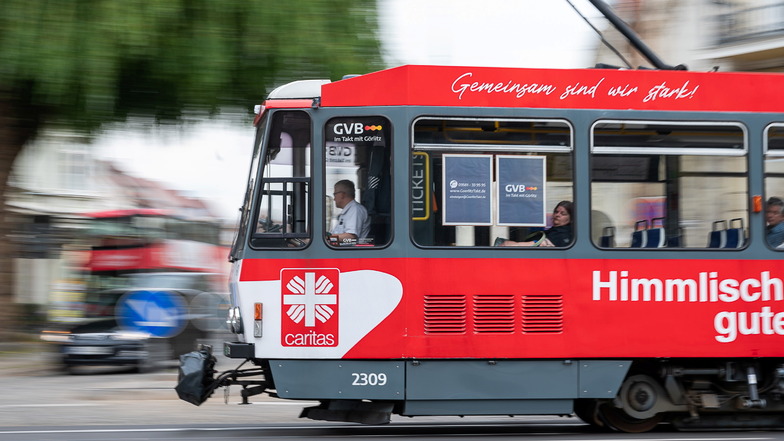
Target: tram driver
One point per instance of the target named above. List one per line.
(353, 223)
(559, 235)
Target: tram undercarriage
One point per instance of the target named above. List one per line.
(692, 395)
(625, 396)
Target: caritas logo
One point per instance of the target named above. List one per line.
(309, 316)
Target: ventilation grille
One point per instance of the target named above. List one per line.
(494, 314)
(445, 314)
(542, 314)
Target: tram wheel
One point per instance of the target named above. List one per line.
(619, 420)
(638, 398)
(587, 410)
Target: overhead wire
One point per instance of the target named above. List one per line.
(601, 36)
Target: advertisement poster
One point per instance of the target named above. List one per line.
(521, 195)
(467, 190)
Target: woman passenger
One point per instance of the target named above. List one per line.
(559, 235)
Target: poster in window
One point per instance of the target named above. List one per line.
(467, 186)
(521, 191)
(420, 186)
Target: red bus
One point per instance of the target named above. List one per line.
(149, 239)
(156, 256)
(660, 300)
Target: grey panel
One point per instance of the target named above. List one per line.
(487, 407)
(482, 380)
(602, 378)
(339, 379)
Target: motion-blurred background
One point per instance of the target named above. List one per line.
(125, 127)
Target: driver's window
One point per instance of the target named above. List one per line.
(358, 203)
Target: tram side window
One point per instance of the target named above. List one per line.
(480, 182)
(774, 186)
(669, 185)
(357, 168)
(283, 207)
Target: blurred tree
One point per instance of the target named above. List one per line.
(78, 64)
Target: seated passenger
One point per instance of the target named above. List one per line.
(559, 235)
(353, 222)
(774, 215)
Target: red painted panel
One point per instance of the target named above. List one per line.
(610, 308)
(560, 88)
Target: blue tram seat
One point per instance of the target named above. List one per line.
(717, 238)
(723, 237)
(655, 238)
(640, 235)
(736, 234)
(607, 239)
(649, 237)
(638, 239)
(734, 238)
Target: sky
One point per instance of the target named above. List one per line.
(210, 160)
(498, 33)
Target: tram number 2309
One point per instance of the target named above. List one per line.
(368, 379)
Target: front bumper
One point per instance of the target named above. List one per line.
(118, 354)
(234, 349)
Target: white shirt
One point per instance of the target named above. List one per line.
(354, 219)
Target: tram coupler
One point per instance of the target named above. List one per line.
(197, 378)
(251, 391)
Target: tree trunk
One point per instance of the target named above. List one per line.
(18, 124)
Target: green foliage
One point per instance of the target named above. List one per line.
(86, 62)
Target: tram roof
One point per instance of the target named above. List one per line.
(414, 85)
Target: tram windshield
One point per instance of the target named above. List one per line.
(283, 218)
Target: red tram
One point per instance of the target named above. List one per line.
(666, 303)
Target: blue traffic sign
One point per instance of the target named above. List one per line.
(158, 313)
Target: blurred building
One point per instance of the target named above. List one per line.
(747, 35)
(56, 180)
(728, 35)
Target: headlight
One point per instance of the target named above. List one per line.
(129, 335)
(56, 336)
(234, 321)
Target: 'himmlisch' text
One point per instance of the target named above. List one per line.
(707, 287)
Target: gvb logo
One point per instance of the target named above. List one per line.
(355, 128)
(309, 313)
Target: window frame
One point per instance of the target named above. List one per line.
(678, 151)
(476, 148)
(767, 152)
(390, 149)
(288, 241)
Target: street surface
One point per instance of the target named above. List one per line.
(44, 404)
(36, 394)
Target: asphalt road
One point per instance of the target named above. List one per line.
(44, 404)
(37, 394)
